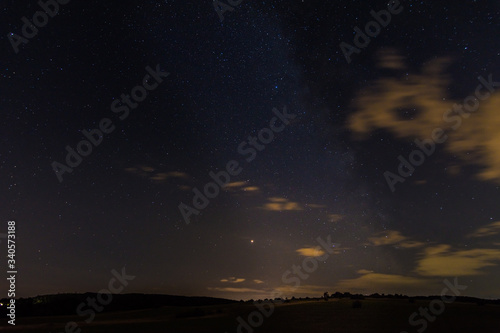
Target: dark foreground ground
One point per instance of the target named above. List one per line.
(375, 315)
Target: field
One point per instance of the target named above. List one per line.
(375, 315)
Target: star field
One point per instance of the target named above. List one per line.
(323, 174)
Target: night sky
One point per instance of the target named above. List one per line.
(217, 86)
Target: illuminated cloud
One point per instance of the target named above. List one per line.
(412, 106)
(335, 217)
(441, 260)
(390, 59)
(147, 172)
(477, 141)
(159, 176)
(302, 290)
(233, 280)
(234, 185)
(393, 237)
(388, 237)
(488, 230)
(311, 251)
(387, 104)
(177, 174)
(250, 188)
(258, 281)
(241, 187)
(236, 290)
(409, 244)
(438, 249)
(281, 204)
(364, 271)
(315, 206)
(377, 282)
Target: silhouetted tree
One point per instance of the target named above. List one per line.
(337, 295)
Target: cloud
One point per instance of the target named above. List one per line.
(393, 237)
(370, 281)
(250, 188)
(388, 237)
(310, 251)
(233, 280)
(364, 271)
(488, 230)
(335, 217)
(159, 176)
(234, 185)
(389, 58)
(258, 281)
(236, 290)
(383, 103)
(410, 244)
(302, 290)
(441, 260)
(147, 172)
(147, 169)
(413, 105)
(177, 174)
(315, 206)
(281, 204)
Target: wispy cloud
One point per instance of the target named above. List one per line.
(149, 172)
(310, 251)
(303, 290)
(388, 237)
(281, 204)
(370, 281)
(235, 185)
(315, 206)
(395, 238)
(335, 217)
(409, 244)
(241, 187)
(442, 260)
(233, 280)
(236, 290)
(177, 174)
(413, 105)
(251, 189)
(488, 230)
